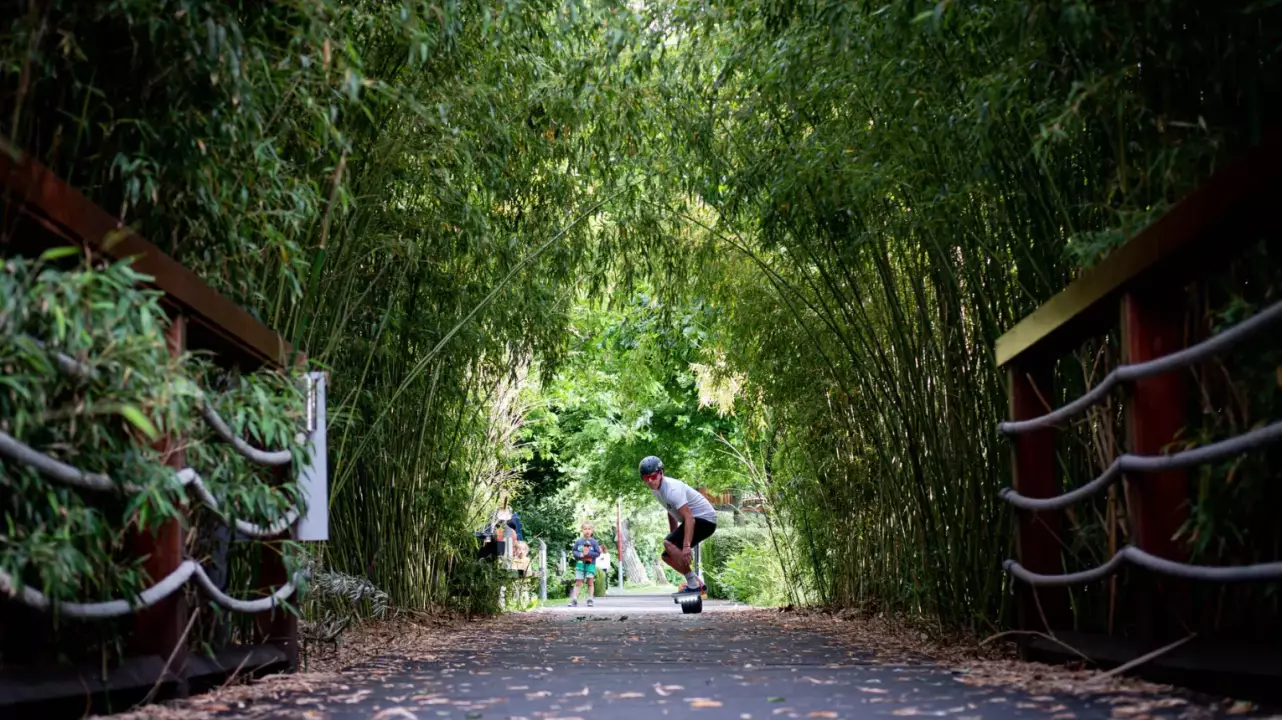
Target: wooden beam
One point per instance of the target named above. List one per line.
(160, 629)
(37, 191)
(1034, 473)
(1156, 415)
(278, 626)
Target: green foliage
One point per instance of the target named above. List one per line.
(647, 527)
(888, 196)
(75, 544)
(334, 600)
(61, 540)
(384, 184)
(719, 551)
(550, 518)
(625, 391)
(473, 586)
(813, 220)
(754, 576)
(557, 589)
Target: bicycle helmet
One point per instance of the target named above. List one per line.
(650, 465)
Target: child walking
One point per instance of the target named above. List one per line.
(586, 551)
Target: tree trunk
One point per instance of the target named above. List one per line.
(633, 568)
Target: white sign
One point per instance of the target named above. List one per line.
(313, 481)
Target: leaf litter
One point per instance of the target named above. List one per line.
(378, 654)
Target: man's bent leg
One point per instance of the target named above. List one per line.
(672, 556)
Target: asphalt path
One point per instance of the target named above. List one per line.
(638, 657)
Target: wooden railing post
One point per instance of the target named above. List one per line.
(1152, 326)
(160, 630)
(1034, 475)
(277, 626)
(280, 626)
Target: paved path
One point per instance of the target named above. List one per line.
(640, 657)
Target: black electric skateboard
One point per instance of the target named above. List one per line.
(691, 601)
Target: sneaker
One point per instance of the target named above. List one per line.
(589, 602)
(574, 603)
(685, 587)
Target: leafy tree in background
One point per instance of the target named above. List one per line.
(626, 390)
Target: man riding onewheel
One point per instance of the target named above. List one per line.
(691, 519)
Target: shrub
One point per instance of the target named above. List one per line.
(557, 588)
(718, 550)
(474, 586)
(755, 576)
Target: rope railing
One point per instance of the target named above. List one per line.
(1138, 371)
(253, 454)
(1129, 463)
(170, 584)
(18, 451)
(1136, 556)
(187, 477)
(83, 371)
(190, 478)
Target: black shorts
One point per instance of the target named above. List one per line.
(703, 529)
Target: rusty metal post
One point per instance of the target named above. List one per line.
(1034, 475)
(160, 630)
(1156, 414)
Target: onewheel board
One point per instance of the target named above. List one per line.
(690, 602)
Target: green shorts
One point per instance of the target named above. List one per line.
(584, 570)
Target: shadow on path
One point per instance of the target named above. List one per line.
(640, 657)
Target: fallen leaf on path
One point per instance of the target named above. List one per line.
(395, 712)
(704, 703)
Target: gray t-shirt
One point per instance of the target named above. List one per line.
(674, 495)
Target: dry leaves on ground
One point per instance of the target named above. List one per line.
(414, 637)
(899, 640)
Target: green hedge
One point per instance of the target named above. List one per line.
(718, 550)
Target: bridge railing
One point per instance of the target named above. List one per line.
(1136, 292)
(40, 212)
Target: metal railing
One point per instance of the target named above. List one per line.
(187, 478)
(1129, 463)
